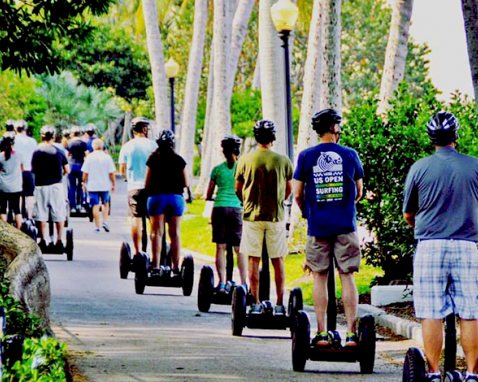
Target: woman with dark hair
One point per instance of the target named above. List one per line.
(11, 168)
(165, 183)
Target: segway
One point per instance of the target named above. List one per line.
(414, 366)
(51, 248)
(267, 319)
(303, 350)
(126, 263)
(28, 225)
(82, 208)
(207, 293)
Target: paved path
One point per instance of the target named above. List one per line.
(117, 335)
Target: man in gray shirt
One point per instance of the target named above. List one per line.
(441, 203)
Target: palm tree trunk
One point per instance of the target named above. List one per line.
(331, 92)
(396, 53)
(156, 58)
(188, 126)
(256, 81)
(470, 18)
(271, 61)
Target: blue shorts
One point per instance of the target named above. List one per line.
(170, 204)
(445, 279)
(98, 197)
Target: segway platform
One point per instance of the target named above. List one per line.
(51, 249)
(303, 350)
(208, 294)
(81, 212)
(240, 318)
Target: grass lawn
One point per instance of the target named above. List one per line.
(196, 235)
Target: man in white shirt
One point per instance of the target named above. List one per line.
(25, 146)
(99, 178)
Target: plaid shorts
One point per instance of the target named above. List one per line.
(445, 279)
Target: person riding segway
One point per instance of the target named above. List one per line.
(226, 222)
(77, 150)
(445, 224)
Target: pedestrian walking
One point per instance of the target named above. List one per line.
(49, 165)
(441, 203)
(263, 183)
(226, 218)
(327, 185)
(132, 164)
(99, 179)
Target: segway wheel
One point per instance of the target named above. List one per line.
(366, 344)
(453, 376)
(125, 260)
(187, 275)
(296, 302)
(238, 316)
(300, 340)
(69, 244)
(414, 369)
(141, 265)
(205, 288)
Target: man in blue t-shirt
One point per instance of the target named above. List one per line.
(132, 164)
(327, 184)
(441, 203)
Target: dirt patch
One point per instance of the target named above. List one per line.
(401, 309)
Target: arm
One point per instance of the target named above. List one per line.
(299, 194)
(147, 179)
(66, 169)
(238, 188)
(122, 169)
(113, 181)
(409, 218)
(85, 177)
(288, 188)
(189, 198)
(210, 190)
(359, 185)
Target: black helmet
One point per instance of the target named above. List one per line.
(231, 143)
(443, 128)
(66, 133)
(324, 120)
(265, 131)
(166, 139)
(75, 131)
(20, 125)
(90, 129)
(140, 124)
(8, 137)
(10, 125)
(47, 132)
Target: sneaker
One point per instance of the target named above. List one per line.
(73, 211)
(321, 339)
(106, 227)
(43, 246)
(155, 272)
(51, 247)
(257, 308)
(83, 210)
(59, 247)
(221, 288)
(279, 310)
(351, 339)
(435, 377)
(471, 377)
(96, 230)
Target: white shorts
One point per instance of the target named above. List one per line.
(50, 199)
(253, 234)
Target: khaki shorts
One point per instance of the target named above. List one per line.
(137, 203)
(50, 199)
(253, 234)
(345, 249)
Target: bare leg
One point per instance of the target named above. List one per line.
(105, 209)
(136, 227)
(321, 299)
(254, 277)
(350, 299)
(174, 227)
(433, 340)
(157, 232)
(278, 264)
(242, 265)
(44, 230)
(59, 230)
(29, 203)
(469, 342)
(3, 217)
(221, 262)
(18, 221)
(96, 215)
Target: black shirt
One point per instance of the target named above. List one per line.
(166, 173)
(47, 165)
(77, 149)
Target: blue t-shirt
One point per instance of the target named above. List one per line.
(329, 172)
(442, 191)
(134, 155)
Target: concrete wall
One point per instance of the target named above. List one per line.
(27, 272)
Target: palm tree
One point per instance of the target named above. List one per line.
(396, 53)
(155, 50)
(470, 17)
(188, 121)
(271, 61)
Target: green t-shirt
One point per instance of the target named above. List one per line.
(223, 177)
(264, 174)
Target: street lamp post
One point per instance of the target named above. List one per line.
(284, 16)
(172, 69)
